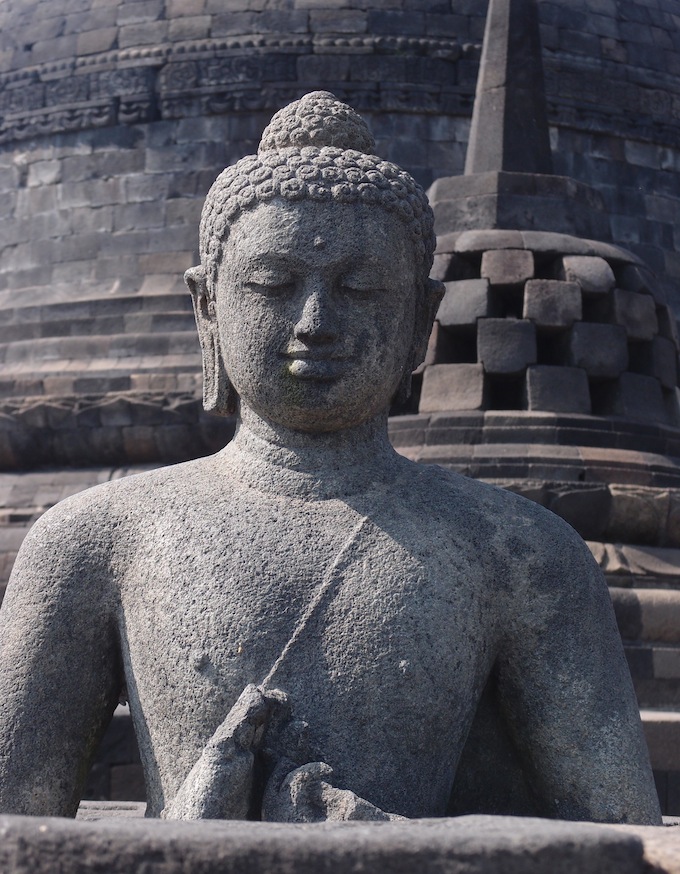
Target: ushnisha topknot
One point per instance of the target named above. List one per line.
(316, 148)
(318, 119)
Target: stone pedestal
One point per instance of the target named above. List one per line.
(469, 845)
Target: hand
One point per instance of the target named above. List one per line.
(304, 795)
(220, 784)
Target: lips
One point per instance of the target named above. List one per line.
(319, 364)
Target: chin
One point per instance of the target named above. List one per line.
(320, 405)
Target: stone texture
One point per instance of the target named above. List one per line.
(662, 731)
(507, 266)
(638, 397)
(452, 387)
(506, 346)
(469, 845)
(601, 350)
(657, 359)
(559, 389)
(551, 303)
(510, 86)
(661, 846)
(636, 312)
(275, 675)
(466, 301)
(593, 274)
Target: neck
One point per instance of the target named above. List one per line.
(327, 464)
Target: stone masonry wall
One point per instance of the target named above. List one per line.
(215, 69)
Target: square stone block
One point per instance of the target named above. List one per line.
(665, 362)
(464, 302)
(557, 389)
(637, 397)
(636, 312)
(668, 327)
(657, 358)
(506, 346)
(551, 303)
(632, 278)
(452, 387)
(601, 350)
(507, 266)
(592, 273)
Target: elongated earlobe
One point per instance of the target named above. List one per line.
(426, 312)
(219, 395)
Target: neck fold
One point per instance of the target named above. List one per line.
(332, 464)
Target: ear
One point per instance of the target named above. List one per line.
(426, 311)
(425, 316)
(218, 394)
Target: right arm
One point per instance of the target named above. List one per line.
(60, 670)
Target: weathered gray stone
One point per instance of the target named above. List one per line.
(636, 312)
(551, 303)
(510, 86)
(557, 389)
(506, 346)
(452, 387)
(593, 274)
(635, 278)
(306, 624)
(507, 266)
(657, 358)
(467, 845)
(637, 397)
(466, 301)
(601, 350)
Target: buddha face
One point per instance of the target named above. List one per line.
(315, 306)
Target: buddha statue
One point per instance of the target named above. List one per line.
(308, 626)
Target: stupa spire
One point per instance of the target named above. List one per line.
(509, 122)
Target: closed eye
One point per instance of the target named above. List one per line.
(271, 286)
(361, 290)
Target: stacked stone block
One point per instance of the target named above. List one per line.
(532, 328)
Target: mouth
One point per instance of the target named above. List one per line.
(315, 364)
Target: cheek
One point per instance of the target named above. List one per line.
(249, 331)
(393, 327)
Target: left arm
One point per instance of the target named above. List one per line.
(567, 694)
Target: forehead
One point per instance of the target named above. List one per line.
(320, 233)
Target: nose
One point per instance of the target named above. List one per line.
(317, 322)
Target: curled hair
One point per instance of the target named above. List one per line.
(316, 148)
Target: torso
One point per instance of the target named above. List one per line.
(386, 667)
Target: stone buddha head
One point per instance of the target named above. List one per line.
(313, 299)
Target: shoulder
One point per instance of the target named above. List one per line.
(80, 534)
(463, 498)
(515, 537)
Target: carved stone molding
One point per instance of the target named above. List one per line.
(124, 428)
(248, 73)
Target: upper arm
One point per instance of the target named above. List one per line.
(59, 664)
(566, 690)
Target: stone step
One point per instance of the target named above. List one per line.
(58, 292)
(648, 614)
(125, 323)
(13, 313)
(50, 349)
(36, 379)
(662, 732)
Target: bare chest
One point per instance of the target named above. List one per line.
(359, 622)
